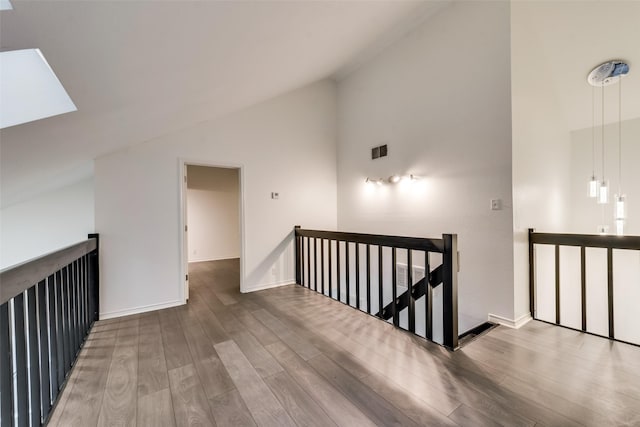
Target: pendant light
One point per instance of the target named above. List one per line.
(603, 189)
(619, 213)
(606, 74)
(593, 182)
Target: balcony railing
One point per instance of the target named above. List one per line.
(47, 308)
(363, 271)
(596, 254)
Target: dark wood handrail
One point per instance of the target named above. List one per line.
(417, 243)
(588, 240)
(16, 279)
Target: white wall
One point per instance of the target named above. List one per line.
(213, 213)
(541, 149)
(287, 145)
(440, 99)
(586, 214)
(46, 223)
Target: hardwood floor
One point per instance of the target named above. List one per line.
(288, 356)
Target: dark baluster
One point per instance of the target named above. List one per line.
(60, 327)
(315, 265)
(394, 291)
(583, 287)
(358, 276)
(339, 276)
(34, 357)
(610, 291)
(73, 274)
(309, 262)
(428, 298)
(45, 393)
(322, 265)
(347, 271)
(380, 288)
(53, 335)
(411, 306)
(68, 344)
(20, 348)
(369, 279)
(330, 270)
(302, 255)
(557, 268)
(6, 394)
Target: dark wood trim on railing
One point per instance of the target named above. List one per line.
(48, 307)
(582, 241)
(587, 240)
(445, 274)
(17, 279)
(400, 242)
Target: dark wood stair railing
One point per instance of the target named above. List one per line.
(446, 274)
(584, 242)
(47, 308)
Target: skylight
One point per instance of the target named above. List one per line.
(29, 89)
(5, 5)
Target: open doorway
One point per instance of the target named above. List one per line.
(212, 224)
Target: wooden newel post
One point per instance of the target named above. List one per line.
(297, 240)
(450, 291)
(94, 260)
(532, 272)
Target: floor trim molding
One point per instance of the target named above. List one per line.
(269, 286)
(138, 310)
(511, 323)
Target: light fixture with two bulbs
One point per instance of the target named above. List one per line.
(393, 179)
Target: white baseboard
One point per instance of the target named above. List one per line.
(214, 259)
(511, 323)
(138, 310)
(269, 286)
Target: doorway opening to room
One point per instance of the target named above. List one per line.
(211, 229)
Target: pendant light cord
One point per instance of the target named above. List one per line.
(593, 131)
(603, 133)
(620, 137)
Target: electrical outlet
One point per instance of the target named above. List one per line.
(496, 204)
(275, 195)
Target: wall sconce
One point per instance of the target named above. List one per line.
(377, 181)
(393, 179)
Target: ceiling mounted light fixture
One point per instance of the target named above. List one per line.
(5, 5)
(606, 74)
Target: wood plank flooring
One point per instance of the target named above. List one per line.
(288, 356)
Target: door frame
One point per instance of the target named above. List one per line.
(184, 254)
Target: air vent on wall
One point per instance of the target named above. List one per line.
(380, 151)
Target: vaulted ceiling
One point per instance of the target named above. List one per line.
(140, 69)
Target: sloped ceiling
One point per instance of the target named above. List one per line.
(575, 37)
(140, 69)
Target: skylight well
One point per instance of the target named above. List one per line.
(29, 89)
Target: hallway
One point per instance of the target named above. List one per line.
(288, 356)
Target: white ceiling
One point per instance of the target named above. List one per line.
(140, 69)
